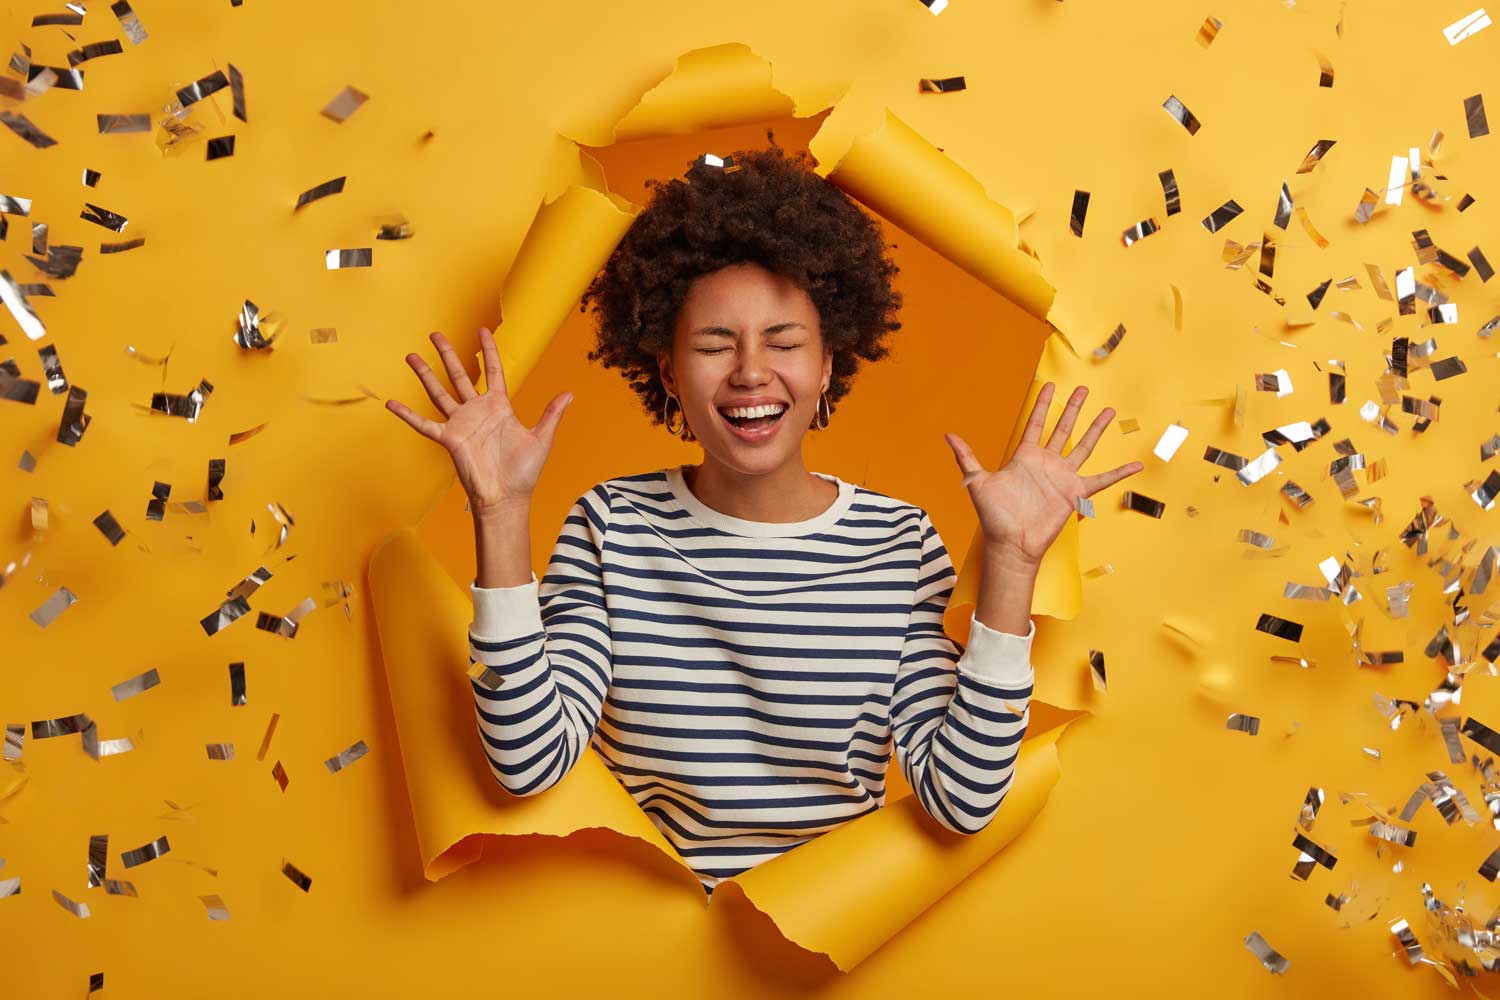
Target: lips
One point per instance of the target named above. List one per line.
(754, 436)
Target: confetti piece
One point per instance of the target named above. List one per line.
(1108, 347)
(1139, 231)
(77, 909)
(945, 85)
(220, 147)
(1208, 30)
(1131, 500)
(1171, 439)
(344, 104)
(1474, 116)
(298, 879)
(1325, 70)
(135, 685)
(237, 683)
(279, 773)
(146, 852)
(1096, 668)
(1248, 724)
(1282, 628)
(1179, 111)
(323, 190)
(237, 92)
(1080, 209)
(1466, 26)
(215, 906)
(1283, 210)
(220, 751)
(345, 757)
(1216, 219)
(1169, 190)
(129, 22)
(62, 599)
(1269, 957)
(265, 743)
(360, 257)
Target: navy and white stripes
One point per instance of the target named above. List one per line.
(747, 682)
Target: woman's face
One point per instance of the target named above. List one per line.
(747, 334)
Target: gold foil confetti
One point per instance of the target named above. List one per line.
(1103, 569)
(237, 683)
(1313, 852)
(1474, 116)
(279, 773)
(1393, 834)
(77, 909)
(291, 871)
(1208, 30)
(1315, 297)
(944, 85)
(1128, 425)
(62, 599)
(215, 906)
(1282, 628)
(1179, 111)
(1084, 506)
(72, 18)
(98, 854)
(1220, 216)
(1268, 256)
(135, 685)
(220, 147)
(935, 6)
(1096, 668)
(1108, 347)
(128, 21)
(1481, 264)
(1254, 471)
(123, 124)
(1311, 803)
(1273, 960)
(1169, 191)
(1368, 203)
(345, 757)
(1309, 228)
(1283, 211)
(1466, 26)
(94, 50)
(265, 742)
(1176, 308)
(312, 194)
(344, 104)
(395, 227)
(199, 89)
(220, 751)
(357, 257)
(26, 129)
(237, 92)
(146, 852)
(251, 328)
(323, 335)
(1171, 439)
(1325, 70)
(1132, 500)
(1248, 724)
(20, 309)
(1139, 231)
(1080, 209)
(1491, 865)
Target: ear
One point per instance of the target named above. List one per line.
(827, 365)
(664, 369)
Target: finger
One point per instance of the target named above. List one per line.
(1033, 432)
(968, 464)
(456, 373)
(434, 386)
(427, 428)
(494, 371)
(1093, 484)
(546, 428)
(1080, 452)
(1064, 425)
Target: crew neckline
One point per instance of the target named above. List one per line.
(706, 515)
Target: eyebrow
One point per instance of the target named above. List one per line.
(724, 331)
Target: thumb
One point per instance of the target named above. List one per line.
(546, 427)
(968, 464)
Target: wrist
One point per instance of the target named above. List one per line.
(500, 512)
(1010, 562)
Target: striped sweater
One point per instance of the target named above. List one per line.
(748, 681)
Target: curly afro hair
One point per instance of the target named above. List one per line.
(765, 209)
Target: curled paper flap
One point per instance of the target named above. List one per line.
(821, 894)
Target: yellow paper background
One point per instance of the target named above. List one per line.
(1165, 841)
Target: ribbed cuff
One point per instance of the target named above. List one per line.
(502, 613)
(1001, 657)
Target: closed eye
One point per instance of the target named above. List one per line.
(774, 347)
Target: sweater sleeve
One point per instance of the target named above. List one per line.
(540, 657)
(958, 713)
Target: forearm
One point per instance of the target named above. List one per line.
(1006, 587)
(502, 547)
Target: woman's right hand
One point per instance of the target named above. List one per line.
(498, 459)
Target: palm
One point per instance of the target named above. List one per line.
(1023, 506)
(498, 459)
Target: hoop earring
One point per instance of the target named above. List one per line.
(685, 432)
(820, 419)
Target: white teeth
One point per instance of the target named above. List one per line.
(754, 411)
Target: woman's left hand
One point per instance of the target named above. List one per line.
(1023, 507)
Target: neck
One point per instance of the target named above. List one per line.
(781, 496)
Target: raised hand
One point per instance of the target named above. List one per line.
(1023, 507)
(498, 458)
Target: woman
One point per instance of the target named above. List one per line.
(743, 641)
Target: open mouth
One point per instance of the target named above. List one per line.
(754, 428)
